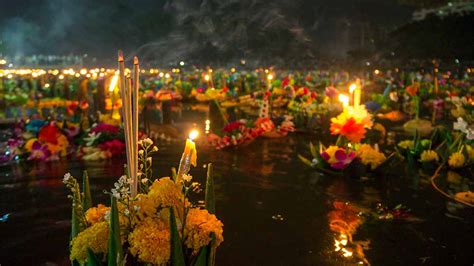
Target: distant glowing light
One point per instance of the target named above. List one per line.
(207, 77)
(83, 71)
(161, 74)
(376, 72)
(208, 126)
(181, 63)
(269, 76)
(167, 75)
(47, 85)
(232, 70)
(3, 62)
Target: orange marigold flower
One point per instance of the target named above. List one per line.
(96, 214)
(200, 224)
(412, 90)
(347, 127)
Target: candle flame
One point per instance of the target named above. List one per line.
(206, 77)
(352, 87)
(344, 99)
(270, 77)
(113, 83)
(193, 134)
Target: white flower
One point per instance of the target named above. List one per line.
(144, 180)
(66, 178)
(148, 141)
(155, 148)
(460, 125)
(126, 212)
(140, 152)
(314, 162)
(148, 159)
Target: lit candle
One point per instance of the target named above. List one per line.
(344, 99)
(189, 156)
(269, 81)
(357, 94)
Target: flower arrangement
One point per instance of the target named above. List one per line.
(157, 226)
(41, 140)
(150, 221)
(102, 141)
(352, 123)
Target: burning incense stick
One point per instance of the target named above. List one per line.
(130, 117)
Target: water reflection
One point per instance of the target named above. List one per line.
(275, 210)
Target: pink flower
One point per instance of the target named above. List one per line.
(331, 92)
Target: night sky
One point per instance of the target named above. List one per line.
(327, 28)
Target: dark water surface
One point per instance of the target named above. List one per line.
(273, 207)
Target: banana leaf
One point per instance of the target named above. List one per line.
(87, 198)
(209, 199)
(177, 255)
(115, 255)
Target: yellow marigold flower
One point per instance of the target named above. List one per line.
(456, 160)
(96, 214)
(95, 237)
(29, 144)
(145, 205)
(150, 241)
(406, 144)
(331, 151)
(166, 193)
(428, 156)
(370, 156)
(470, 152)
(199, 226)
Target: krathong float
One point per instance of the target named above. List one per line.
(149, 221)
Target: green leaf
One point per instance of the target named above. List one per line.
(304, 160)
(202, 256)
(87, 199)
(115, 248)
(177, 256)
(312, 148)
(174, 175)
(75, 225)
(92, 259)
(210, 200)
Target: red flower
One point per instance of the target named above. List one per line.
(232, 126)
(115, 147)
(103, 127)
(84, 105)
(285, 82)
(49, 134)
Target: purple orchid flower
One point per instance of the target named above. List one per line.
(39, 152)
